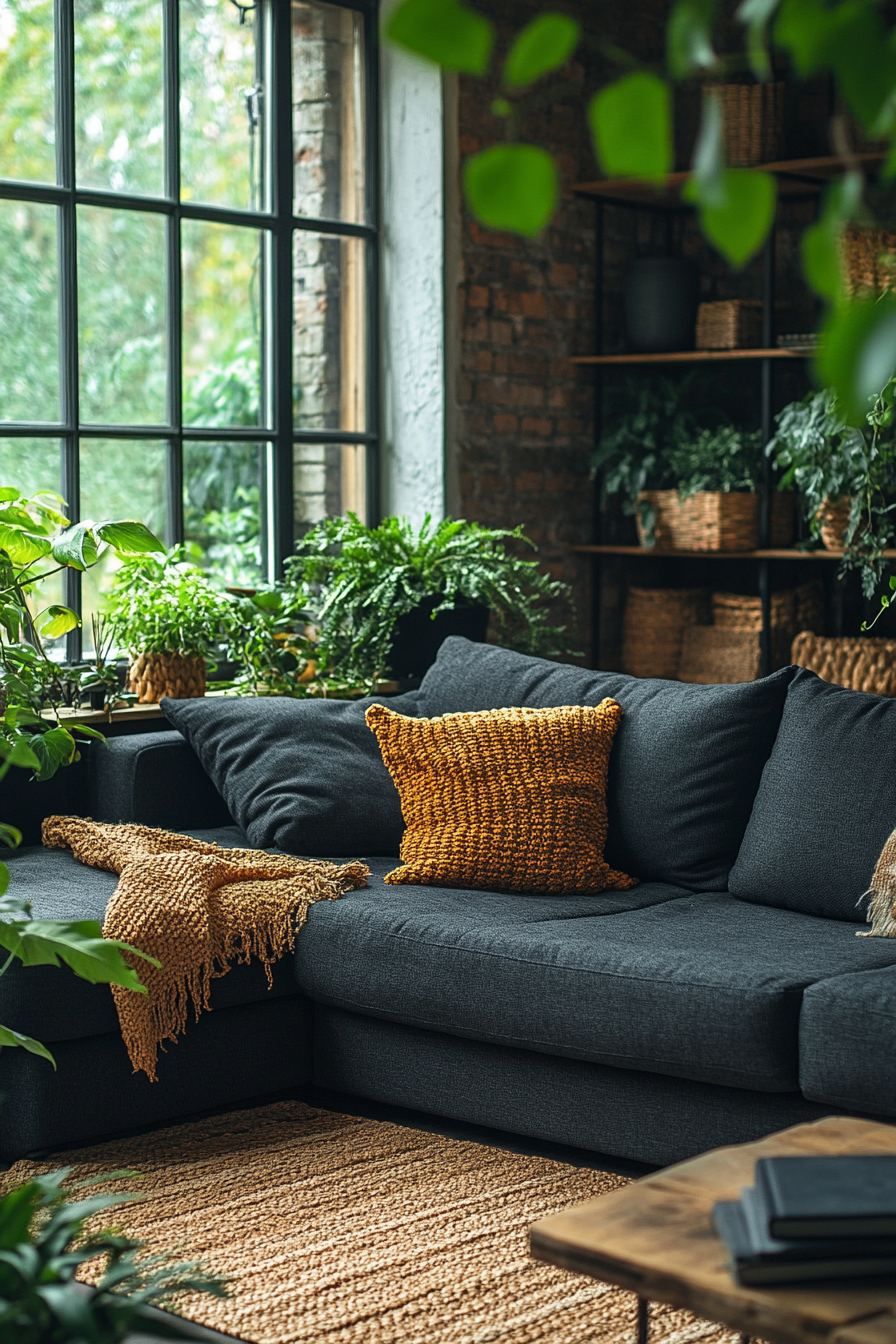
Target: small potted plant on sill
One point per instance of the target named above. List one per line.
(846, 476)
(167, 614)
(382, 599)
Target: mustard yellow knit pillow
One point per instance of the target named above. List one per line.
(505, 799)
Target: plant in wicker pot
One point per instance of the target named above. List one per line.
(167, 614)
(846, 476)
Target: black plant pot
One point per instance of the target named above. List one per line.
(661, 304)
(417, 637)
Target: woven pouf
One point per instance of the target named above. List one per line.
(152, 675)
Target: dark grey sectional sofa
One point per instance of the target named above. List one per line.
(725, 996)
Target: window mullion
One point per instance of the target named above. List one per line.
(281, 292)
(68, 293)
(174, 475)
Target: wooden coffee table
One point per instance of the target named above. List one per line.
(655, 1237)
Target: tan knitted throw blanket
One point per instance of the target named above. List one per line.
(882, 907)
(196, 908)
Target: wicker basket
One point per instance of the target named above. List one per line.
(863, 256)
(152, 675)
(861, 664)
(708, 521)
(834, 520)
(712, 655)
(729, 324)
(754, 121)
(655, 619)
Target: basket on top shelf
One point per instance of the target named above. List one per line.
(753, 119)
(712, 520)
(860, 664)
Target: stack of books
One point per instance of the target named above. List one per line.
(811, 1218)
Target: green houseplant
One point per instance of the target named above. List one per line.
(46, 1235)
(168, 615)
(359, 581)
(846, 475)
(662, 436)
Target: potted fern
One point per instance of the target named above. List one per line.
(384, 598)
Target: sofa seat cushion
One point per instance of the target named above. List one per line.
(695, 986)
(686, 761)
(826, 804)
(848, 1041)
(52, 1003)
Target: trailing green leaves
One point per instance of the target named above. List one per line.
(60, 621)
(689, 44)
(545, 44)
(849, 39)
(455, 37)
(858, 352)
(512, 187)
(736, 211)
(755, 15)
(820, 243)
(631, 124)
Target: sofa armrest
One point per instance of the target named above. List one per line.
(154, 779)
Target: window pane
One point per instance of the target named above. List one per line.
(121, 316)
(222, 324)
(328, 111)
(222, 509)
(32, 465)
(221, 112)
(119, 117)
(119, 479)
(329, 480)
(27, 131)
(29, 308)
(329, 335)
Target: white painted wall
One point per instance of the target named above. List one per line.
(412, 479)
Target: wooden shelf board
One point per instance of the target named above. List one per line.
(688, 356)
(798, 176)
(774, 554)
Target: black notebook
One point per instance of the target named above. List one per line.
(757, 1258)
(808, 1197)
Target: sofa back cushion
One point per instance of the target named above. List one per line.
(305, 776)
(685, 765)
(826, 804)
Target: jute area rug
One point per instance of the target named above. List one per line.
(341, 1230)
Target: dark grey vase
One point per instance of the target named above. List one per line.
(661, 304)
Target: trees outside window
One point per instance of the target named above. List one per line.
(187, 268)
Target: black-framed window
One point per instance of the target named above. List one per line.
(188, 268)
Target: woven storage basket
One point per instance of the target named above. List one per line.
(729, 324)
(708, 521)
(834, 520)
(152, 675)
(863, 255)
(655, 619)
(861, 664)
(754, 121)
(731, 611)
(715, 656)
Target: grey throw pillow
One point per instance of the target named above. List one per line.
(304, 776)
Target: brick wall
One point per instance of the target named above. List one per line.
(524, 412)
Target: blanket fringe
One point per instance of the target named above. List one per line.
(199, 910)
(881, 913)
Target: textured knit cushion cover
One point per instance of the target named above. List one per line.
(506, 800)
(304, 776)
(686, 762)
(826, 804)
